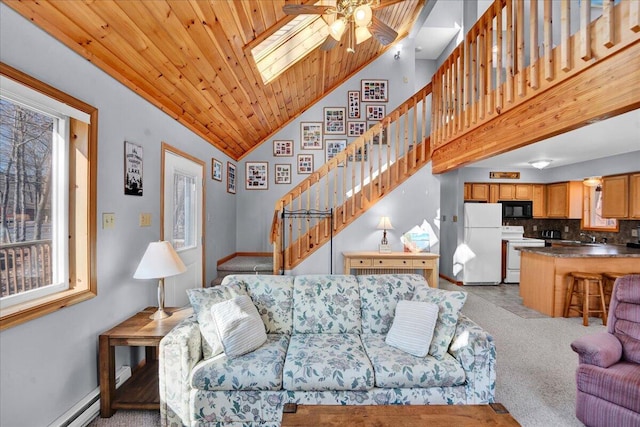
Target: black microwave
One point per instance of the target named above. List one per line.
(517, 209)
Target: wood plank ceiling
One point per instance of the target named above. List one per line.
(192, 59)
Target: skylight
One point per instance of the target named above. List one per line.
(292, 42)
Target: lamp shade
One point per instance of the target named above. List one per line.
(337, 28)
(159, 260)
(362, 15)
(362, 34)
(385, 223)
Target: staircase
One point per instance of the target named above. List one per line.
(351, 182)
(244, 264)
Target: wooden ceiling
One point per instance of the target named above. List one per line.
(192, 58)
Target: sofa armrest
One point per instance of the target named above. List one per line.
(475, 349)
(602, 349)
(180, 351)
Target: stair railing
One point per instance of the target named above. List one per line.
(353, 180)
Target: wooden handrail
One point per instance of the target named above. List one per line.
(352, 181)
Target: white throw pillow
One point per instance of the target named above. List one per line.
(239, 325)
(412, 328)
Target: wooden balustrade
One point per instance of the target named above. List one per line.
(24, 266)
(505, 62)
(352, 181)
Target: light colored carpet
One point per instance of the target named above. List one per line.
(535, 365)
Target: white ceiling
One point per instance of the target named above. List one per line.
(617, 135)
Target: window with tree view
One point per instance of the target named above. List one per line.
(47, 147)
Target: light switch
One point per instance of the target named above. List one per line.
(108, 220)
(566, 228)
(455, 218)
(145, 219)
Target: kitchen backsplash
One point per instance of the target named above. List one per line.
(621, 237)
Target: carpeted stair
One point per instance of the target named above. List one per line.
(244, 265)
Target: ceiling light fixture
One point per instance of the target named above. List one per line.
(592, 181)
(337, 28)
(540, 164)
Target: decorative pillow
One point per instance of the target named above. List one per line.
(449, 304)
(202, 299)
(239, 326)
(412, 328)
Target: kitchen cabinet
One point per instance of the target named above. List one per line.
(494, 193)
(615, 196)
(476, 192)
(539, 197)
(515, 192)
(564, 200)
(634, 195)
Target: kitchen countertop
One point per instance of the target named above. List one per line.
(599, 251)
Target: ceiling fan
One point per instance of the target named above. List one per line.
(354, 17)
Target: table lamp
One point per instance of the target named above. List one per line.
(384, 224)
(160, 260)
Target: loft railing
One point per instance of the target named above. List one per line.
(24, 266)
(506, 59)
(353, 180)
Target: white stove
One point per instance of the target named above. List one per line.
(513, 236)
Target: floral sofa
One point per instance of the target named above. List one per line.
(325, 344)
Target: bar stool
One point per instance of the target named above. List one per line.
(579, 286)
(609, 279)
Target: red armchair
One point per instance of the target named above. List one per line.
(608, 374)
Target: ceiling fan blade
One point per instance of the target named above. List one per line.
(382, 32)
(304, 9)
(328, 44)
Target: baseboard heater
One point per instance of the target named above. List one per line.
(85, 411)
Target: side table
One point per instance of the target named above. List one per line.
(141, 391)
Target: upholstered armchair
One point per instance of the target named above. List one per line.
(608, 374)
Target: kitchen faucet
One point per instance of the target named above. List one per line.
(592, 238)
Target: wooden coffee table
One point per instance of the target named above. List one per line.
(397, 415)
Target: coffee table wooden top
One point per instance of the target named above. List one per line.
(397, 415)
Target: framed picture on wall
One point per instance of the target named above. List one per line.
(374, 90)
(358, 154)
(375, 112)
(231, 178)
(334, 146)
(334, 121)
(283, 148)
(376, 138)
(353, 104)
(283, 173)
(216, 169)
(132, 169)
(356, 128)
(305, 163)
(311, 135)
(256, 176)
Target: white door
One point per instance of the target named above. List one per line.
(182, 225)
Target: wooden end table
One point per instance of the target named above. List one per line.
(493, 414)
(141, 391)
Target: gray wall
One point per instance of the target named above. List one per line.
(50, 363)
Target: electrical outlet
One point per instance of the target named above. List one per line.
(108, 220)
(145, 219)
(535, 228)
(634, 232)
(566, 228)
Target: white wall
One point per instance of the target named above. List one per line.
(256, 207)
(49, 364)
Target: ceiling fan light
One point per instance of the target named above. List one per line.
(336, 30)
(362, 15)
(362, 34)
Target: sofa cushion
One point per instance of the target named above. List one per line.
(412, 327)
(624, 317)
(327, 362)
(202, 299)
(619, 383)
(449, 305)
(272, 296)
(325, 304)
(381, 293)
(239, 325)
(395, 368)
(258, 370)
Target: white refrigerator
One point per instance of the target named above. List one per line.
(483, 238)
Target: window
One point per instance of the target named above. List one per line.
(47, 232)
(592, 211)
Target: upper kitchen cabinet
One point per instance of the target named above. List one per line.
(564, 200)
(515, 192)
(539, 197)
(621, 196)
(615, 196)
(476, 192)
